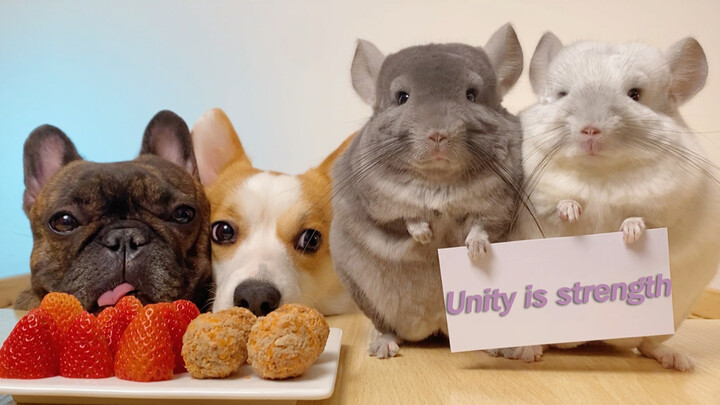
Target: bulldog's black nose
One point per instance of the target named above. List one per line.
(131, 240)
(260, 297)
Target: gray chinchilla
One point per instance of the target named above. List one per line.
(437, 165)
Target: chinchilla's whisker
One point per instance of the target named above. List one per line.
(658, 139)
(356, 176)
(488, 162)
(532, 179)
(683, 156)
(372, 155)
(552, 138)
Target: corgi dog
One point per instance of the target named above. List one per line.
(269, 230)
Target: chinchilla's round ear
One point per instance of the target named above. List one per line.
(689, 69)
(47, 149)
(505, 53)
(167, 135)
(365, 69)
(216, 145)
(546, 50)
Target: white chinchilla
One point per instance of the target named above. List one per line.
(605, 149)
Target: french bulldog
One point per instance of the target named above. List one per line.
(105, 230)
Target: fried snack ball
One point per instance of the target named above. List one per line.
(314, 320)
(286, 342)
(244, 320)
(215, 345)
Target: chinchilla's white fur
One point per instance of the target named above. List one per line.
(637, 164)
(438, 168)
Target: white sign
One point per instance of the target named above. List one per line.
(558, 290)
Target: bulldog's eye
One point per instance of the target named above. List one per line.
(183, 214)
(63, 222)
(222, 233)
(634, 94)
(470, 95)
(308, 241)
(402, 97)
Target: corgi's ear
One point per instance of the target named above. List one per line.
(326, 166)
(216, 145)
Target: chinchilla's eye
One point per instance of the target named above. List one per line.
(402, 97)
(562, 94)
(222, 233)
(63, 223)
(634, 94)
(470, 95)
(308, 241)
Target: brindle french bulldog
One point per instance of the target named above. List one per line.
(105, 230)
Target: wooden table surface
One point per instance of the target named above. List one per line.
(429, 373)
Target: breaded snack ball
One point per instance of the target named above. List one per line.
(244, 320)
(313, 319)
(285, 343)
(214, 345)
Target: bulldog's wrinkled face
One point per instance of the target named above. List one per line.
(105, 230)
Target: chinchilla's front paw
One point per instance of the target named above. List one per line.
(420, 231)
(632, 229)
(569, 210)
(477, 244)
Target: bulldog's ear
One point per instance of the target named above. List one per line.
(216, 145)
(167, 135)
(47, 149)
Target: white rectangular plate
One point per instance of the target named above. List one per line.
(318, 381)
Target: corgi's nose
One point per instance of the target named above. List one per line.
(260, 297)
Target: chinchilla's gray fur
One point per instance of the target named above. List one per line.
(438, 171)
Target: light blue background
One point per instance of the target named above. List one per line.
(99, 70)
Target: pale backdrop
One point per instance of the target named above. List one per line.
(280, 69)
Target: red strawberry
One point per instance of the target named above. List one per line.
(176, 326)
(111, 327)
(85, 352)
(185, 311)
(145, 351)
(63, 308)
(128, 307)
(31, 350)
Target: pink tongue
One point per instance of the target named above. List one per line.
(113, 296)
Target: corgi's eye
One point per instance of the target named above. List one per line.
(562, 94)
(634, 94)
(222, 233)
(63, 223)
(470, 95)
(402, 97)
(308, 241)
